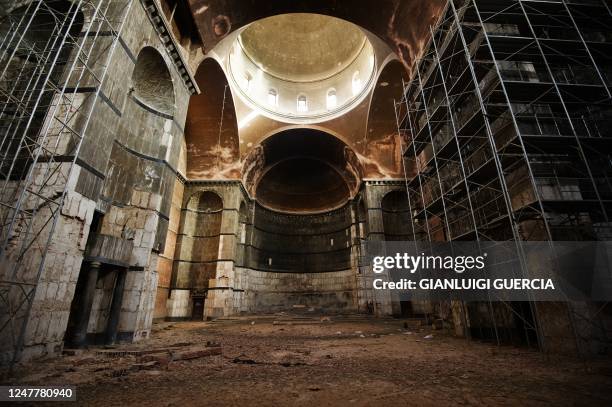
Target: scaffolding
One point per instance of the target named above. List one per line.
(54, 56)
(508, 115)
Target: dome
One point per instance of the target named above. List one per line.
(296, 67)
(302, 47)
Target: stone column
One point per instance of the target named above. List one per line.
(115, 308)
(79, 338)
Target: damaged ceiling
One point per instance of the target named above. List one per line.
(402, 24)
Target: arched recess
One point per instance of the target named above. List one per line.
(383, 146)
(197, 247)
(152, 82)
(397, 226)
(211, 131)
(302, 171)
(397, 219)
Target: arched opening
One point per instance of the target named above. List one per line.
(397, 226)
(211, 131)
(197, 247)
(152, 82)
(302, 104)
(356, 83)
(332, 99)
(206, 201)
(304, 171)
(382, 144)
(397, 219)
(272, 97)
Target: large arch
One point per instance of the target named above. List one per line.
(302, 171)
(397, 219)
(402, 24)
(211, 131)
(198, 240)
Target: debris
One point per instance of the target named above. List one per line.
(84, 361)
(243, 360)
(291, 363)
(362, 336)
(72, 352)
(196, 353)
(162, 360)
(144, 366)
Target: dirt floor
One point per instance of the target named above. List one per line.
(291, 360)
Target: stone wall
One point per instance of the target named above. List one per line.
(126, 171)
(314, 257)
(308, 243)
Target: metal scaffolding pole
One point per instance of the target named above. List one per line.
(438, 62)
(496, 158)
(563, 105)
(32, 200)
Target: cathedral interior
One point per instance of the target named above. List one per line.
(188, 187)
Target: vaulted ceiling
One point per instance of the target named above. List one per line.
(402, 24)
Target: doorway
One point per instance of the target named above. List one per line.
(197, 310)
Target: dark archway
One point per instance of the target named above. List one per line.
(304, 171)
(397, 220)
